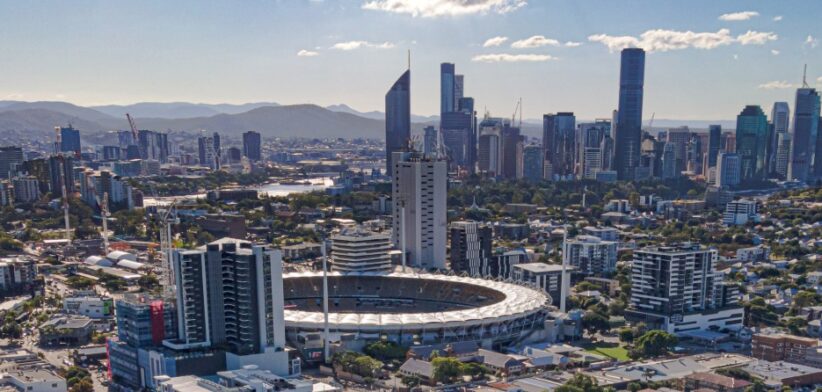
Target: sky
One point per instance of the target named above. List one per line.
(706, 61)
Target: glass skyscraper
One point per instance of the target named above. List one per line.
(447, 88)
(752, 142)
(805, 134)
(397, 117)
(714, 143)
(629, 117)
(70, 140)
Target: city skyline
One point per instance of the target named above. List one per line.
(350, 50)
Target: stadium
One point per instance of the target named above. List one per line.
(411, 308)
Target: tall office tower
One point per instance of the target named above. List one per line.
(230, 295)
(694, 154)
(780, 120)
(511, 163)
(590, 255)
(419, 208)
(559, 136)
(728, 167)
(429, 141)
(457, 135)
(752, 142)
(447, 88)
(466, 105)
(252, 146)
(490, 146)
(356, 249)
(805, 134)
(669, 162)
(595, 146)
(218, 149)
(629, 116)
(677, 289)
(532, 162)
(680, 137)
(56, 179)
(153, 145)
(459, 89)
(471, 244)
(11, 158)
(783, 155)
(714, 143)
(397, 118)
(207, 155)
(70, 140)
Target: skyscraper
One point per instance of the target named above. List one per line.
(628, 133)
(420, 217)
(459, 89)
(153, 145)
(397, 118)
(728, 169)
(590, 255)
(714, 143)
(11, 158)
(780, 120)
(429, 140)
(532, 162)
(559, 135)
(805, 134)
(752, 142)
(358, 250)
(489, 154)
(70, 140)
(207, 155)
(447, 88)
(511, 152)
(252, 145)
(594, 149)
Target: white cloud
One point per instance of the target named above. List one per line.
(774, 52)
(511, 58)
(777, 18)
(811, 41)
(756, 37)
(435, 8)
(819, 79)
(572, 44)
(737, 16)
(496, 41)
(352, 45)
(776, 84)
(534, 42)
(664, 40)
(307, 53)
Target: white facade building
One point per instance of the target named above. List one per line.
(590, 255)
(420, 216)
(740, 212)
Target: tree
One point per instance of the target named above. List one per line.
(653, 344)
(626, 335)
(84, 385)
(580, 383)
(446, 369)
(385, 350)
(411, 381)
(595, 322)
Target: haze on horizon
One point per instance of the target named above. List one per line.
(706, 59)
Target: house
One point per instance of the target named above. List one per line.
(501, 363)
(464, 351)
(714, 382)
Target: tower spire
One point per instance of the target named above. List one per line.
(409, 59)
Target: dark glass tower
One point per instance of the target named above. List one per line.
(714, 142)
(752, 142)
(447, 88)
(805, 134)
(629, 117)
(397, 117)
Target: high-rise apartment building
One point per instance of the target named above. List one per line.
(359, 250)
(558, 140)
(511, 149)
(595, 148)
(70, 140)
(489, 157)
(471, 244)
(628, 132)
(532, 162)
(419, 208)
(714, 143)
(207, 155)
(252, 146)
(783, 155)
(678, 289)
(780, 121)
(590, 255)
(153, 145)
(805, 134)
(429, 140)
(397, 118)
(752, 142)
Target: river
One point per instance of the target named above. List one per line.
(273, 189)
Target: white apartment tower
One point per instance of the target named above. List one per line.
(419, 197)
(358, 250)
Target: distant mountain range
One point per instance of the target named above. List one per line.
(268, 118)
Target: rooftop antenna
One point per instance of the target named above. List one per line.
(805, 77)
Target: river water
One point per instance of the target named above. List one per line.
(273, 189)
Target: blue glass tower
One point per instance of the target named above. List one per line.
(752, 142)
(397, 117)
(447, 88)
(805, 134)
(629, 118)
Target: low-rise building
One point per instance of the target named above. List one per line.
(780, 373)
(72, 330)
(548, 277)
(33, 380)
(92, 307)
(501, 363)
(714, 382)
(781, 347)
(740, 212)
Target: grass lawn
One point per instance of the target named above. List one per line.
(616, 352)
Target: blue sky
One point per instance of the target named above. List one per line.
(101, 52)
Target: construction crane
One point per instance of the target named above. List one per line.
(133, 127)
(167, 217)
(651, 123)
(517, 108)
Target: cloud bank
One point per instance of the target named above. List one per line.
(437, 8)
(738, 16)
(661, 40)
(511, 58)
(353, 45)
